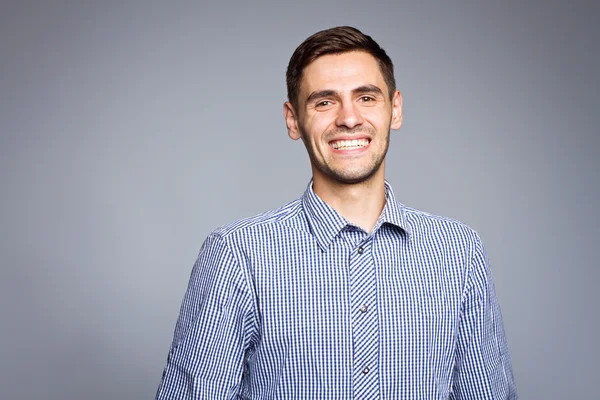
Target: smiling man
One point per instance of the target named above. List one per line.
(344, 293)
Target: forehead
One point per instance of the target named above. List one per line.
(342, 72)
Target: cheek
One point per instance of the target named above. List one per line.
(316, 126)
(379, 116)
(380, 122)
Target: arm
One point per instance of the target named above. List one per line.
(483, 369)
(216, 326)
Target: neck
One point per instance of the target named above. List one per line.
(359, 203)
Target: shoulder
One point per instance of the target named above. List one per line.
(288, 214)
(425, 226)
(228, 243)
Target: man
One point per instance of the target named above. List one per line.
(344, 293)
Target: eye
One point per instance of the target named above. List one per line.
(323, 103)
(366, 99)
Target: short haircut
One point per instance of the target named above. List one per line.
(338, 40)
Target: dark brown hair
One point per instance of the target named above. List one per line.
(336, 40)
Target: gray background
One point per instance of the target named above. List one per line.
(130, 130)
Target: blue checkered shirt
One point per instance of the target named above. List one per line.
(298, 303)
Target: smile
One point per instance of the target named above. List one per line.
(349, 144)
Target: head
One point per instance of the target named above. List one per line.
(342, 103)
(338, 40)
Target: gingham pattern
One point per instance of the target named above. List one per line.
(299, 304)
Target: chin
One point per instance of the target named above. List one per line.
(352, 179)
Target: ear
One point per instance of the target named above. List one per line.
(396, 110)
(291, 120)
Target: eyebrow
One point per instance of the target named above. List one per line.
(368, 89)
(332, 93)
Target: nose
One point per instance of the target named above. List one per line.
(349, 115)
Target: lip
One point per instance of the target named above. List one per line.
(353, 151)
(350, 137)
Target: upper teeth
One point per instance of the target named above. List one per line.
(349, 144)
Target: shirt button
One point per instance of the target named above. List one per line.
(365, 370)
(363, 308)
(360, 250)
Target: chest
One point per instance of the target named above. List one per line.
(302, 289)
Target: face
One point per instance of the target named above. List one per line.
(344, 117)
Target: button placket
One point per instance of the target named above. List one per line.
(364, 320)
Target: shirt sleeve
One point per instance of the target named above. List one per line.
(215, 329)
(483, 368)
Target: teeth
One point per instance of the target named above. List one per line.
(349, 144)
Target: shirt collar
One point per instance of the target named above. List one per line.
(326, 223)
